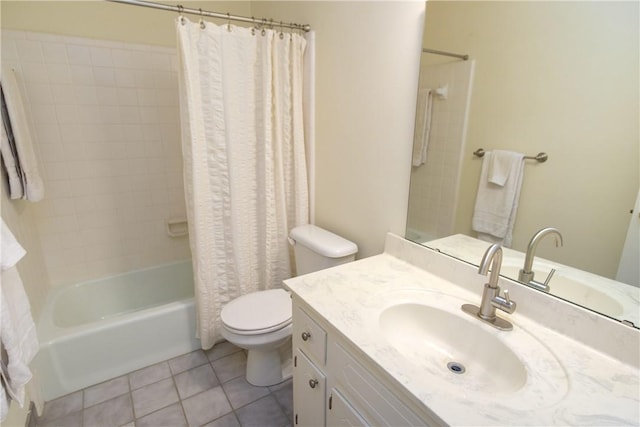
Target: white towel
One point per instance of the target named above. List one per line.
(500, 164)
(24, 155)
(17, 330)
(15, 181)
(496, 205)
(423, 126)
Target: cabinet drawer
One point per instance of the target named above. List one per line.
(371, 398)
(309, 336)
(309, 392)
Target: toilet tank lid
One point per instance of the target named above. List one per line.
(322, 241)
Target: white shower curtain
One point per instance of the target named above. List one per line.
(244, 160)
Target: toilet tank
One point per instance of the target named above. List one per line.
(316, 249)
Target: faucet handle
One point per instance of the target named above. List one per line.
(548, 279)
(504, 303)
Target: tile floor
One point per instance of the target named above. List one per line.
(196, 389)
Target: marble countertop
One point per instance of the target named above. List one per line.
(574, 384)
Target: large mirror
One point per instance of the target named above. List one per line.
(553, 77)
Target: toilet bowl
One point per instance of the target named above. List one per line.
(260, 322)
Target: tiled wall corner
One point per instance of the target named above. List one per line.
(105, 119)
(433, 204)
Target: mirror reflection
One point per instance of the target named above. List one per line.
(559, 78)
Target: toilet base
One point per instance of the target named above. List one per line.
(266, 368)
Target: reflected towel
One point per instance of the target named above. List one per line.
(423, 126)
(500, 165)
(497, 205)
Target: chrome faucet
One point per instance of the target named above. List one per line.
(527, 274)
(491, 299)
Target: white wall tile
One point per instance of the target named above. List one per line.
(59, 73)
(39, 93)
(34, 72)
(66, 114)
(9, 51)
(29, 51)
(63, 95)
(127, 96)
(81, 75)
(106, 127)
(125, 78)
(104, 76)
(101, 56)
(79, 55)
(85, 95)
(54, 53)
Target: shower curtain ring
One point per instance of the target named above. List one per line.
(253, 28)
(264, 22)
(202, 25)
(180, 10)
(228, 22)
(281, 33)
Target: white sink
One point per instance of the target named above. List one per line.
(453, 346)
(466, 357)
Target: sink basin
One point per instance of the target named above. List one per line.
(454, 348)
(463, 357)
(572, 290)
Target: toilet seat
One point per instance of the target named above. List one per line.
(258, 312)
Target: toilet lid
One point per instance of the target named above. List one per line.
(258, 312)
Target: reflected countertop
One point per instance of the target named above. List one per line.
(600, 294)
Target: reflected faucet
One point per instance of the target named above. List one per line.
(491, 299)
(526, 274)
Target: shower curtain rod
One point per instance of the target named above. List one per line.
(441, 52)
(180, 9)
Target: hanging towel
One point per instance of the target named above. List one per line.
(423, 126)
(500, 164)
(17, 330)
(17, 145)
(498, 194)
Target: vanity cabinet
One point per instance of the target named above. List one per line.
(332, 386)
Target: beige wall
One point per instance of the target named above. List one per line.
(367, 63)
(571, 91)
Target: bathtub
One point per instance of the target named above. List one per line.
(97, 330)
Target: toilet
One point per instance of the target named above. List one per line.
(260, 322)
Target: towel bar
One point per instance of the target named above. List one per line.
(540, 157)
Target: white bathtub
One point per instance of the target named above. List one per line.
(97, 330)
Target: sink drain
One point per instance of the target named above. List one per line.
(455, 367)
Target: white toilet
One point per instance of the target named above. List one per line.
(260, 322)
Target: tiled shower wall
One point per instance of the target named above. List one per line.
(105, 122)
(435, 184)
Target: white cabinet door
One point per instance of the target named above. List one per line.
(341, 413)
(309, 392)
